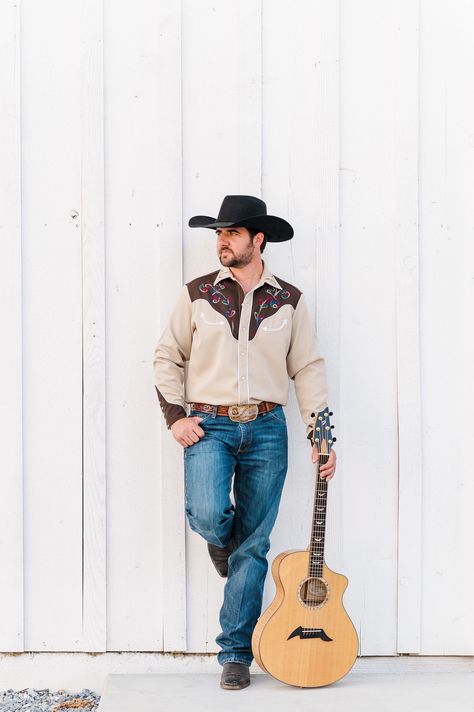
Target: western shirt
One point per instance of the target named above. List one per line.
(224, 347)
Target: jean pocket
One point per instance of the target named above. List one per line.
(201, 414)
(278, 413)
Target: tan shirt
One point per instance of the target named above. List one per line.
(224, 347)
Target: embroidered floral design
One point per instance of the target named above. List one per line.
(215, 295)
(274, 301)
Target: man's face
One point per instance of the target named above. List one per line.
(235, 247)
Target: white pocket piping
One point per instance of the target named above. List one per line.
(276, 328)
(211, 323)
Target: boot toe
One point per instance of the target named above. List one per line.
(235, 676)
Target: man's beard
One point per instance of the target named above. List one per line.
(238, 261)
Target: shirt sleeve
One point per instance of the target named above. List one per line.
(306, 366)
(172, 351)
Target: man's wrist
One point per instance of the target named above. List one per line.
(174, 417)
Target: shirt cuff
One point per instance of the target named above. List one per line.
(171, 411)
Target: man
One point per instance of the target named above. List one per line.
(242, 332)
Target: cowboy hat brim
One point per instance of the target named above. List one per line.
(276, 229)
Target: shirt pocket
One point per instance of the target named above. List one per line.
(211, 322)
(276, 327)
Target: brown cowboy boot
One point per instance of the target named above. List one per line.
(235, 676)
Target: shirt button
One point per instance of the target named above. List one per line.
(243, 378)
(242, 353)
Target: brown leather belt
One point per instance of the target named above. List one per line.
(240, 413)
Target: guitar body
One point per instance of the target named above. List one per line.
(305, 637)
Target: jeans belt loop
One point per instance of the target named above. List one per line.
(214, 411)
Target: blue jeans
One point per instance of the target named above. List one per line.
(257, 452)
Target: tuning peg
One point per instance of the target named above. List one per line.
(331, 413)
(313, 414)
(334, 440)
(333, 426)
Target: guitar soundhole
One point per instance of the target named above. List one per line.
(313, 592)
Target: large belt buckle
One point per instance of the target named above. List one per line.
(243, 413)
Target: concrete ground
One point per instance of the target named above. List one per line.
(356, 692)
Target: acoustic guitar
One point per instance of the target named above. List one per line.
(305, 637)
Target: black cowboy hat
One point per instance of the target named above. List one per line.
(246, 211)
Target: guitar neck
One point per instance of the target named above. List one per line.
(318, 529)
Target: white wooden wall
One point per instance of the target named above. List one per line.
(119, 122)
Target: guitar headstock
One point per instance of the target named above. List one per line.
(321, 436)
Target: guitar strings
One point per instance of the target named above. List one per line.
(316, 549)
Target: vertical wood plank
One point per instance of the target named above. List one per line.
(221, 44)
(11, 481)
(146, 583)
(410, 473)
(446, 307)
(52, 324)
(170, 278)
(94, 627)
(368, 447)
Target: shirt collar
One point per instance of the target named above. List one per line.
(267, 276)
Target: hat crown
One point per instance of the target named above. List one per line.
(241, 207)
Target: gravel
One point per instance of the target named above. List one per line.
(29, 700)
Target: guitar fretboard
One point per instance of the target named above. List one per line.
(318, 529)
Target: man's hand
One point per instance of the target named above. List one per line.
(326, 471)
(186, 431)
